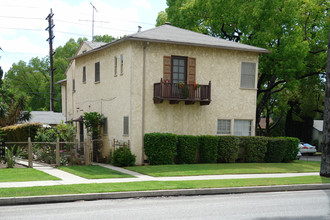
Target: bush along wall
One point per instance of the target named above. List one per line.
(291, 149)
(20, 133)
(208, 149)
(228, 149)
(275, 150)
(122, 157)
(253, 149)
(187, 147)
(160, 148)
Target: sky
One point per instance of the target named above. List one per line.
(23, 23)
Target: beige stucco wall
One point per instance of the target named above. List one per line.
(122, 95)
(229, 101)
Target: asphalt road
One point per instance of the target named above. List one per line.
(309, 205)
(311, 158)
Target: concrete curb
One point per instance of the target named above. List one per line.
(156, 193)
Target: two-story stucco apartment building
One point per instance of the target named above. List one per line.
(165, 79)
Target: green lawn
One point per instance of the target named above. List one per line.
(227, 168)
(24, 174)
(94, 172)
(156, 185)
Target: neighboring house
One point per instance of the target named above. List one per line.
(317, 132)
(46, 117)
(165, 79)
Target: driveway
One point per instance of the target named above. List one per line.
(311, 158)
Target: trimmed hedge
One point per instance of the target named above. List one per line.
(160, 148)
(20, 133)
(187, 147)
(253, 149)
(291, 149)
(275, 150)
(208, 149)
(122, 157)
(228, 148)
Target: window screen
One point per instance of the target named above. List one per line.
(242, 128)
(223, 126)
(248, 72)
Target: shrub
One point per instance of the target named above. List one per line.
(160, 148)
(16, 133)
(275, 150)
(11, 155)
(208, 149)
(253, 149)
(122, 157)
(187, 146)
(228, 149)
(291, 148)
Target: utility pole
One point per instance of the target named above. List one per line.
(51, 53)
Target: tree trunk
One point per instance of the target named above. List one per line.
(325, 159)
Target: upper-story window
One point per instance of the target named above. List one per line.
(97, 72)
(84, 75)
(121, 64)
(179, 69)
(116, 66)
(248, 75)
(73, 86)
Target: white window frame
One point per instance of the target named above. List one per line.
(239, 131)
(222, 126)
(244, 75)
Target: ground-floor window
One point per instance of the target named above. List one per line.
(242, 127)
(223, 126)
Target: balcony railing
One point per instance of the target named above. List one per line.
(176, 92)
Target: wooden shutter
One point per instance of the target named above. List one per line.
(191, 70)
(167, 68)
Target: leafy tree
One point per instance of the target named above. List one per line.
(93, 121)
(105, 38)
(11, 106)
(325, 158)
(294, 31)
(32, 79)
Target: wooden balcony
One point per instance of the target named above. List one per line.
(176, 92)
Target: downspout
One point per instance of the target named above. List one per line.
(143, 97)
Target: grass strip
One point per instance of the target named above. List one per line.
(24, 174)
(156, 185)
(227, 168)
(94, 172)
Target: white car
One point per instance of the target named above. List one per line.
(306, 148)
